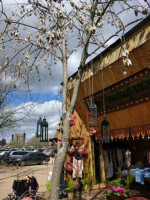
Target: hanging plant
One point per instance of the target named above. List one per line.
(71, 120)
(89, 114)
(71, 123)
(92, 131)
(90, 122)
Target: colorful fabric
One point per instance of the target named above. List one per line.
(77, 168)
(148, 157)
(127, 158)
(120, 157)
(62, 190)
(108, 163)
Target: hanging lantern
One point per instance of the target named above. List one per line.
(105, 129)
(93, 115)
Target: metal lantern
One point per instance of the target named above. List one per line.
(105, 129)
(93, 115)
(44, 131)
(38, 127)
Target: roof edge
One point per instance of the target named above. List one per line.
(129, 33)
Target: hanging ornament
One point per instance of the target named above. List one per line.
(92, 131)
(59, 140)
(128, 158)
(71, 120)
(105, 129)
(71, 123)
(93, 115)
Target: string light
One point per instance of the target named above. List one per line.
(124, 72)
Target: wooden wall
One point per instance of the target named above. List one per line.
(108, 70)
(134, 116)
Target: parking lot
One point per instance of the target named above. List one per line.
(9, 173)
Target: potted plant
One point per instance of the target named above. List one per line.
(86, 184)
(116, 193)
(86, 181)
(71, 187)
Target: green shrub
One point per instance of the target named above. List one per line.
(128, 179)
(48, 187)
(86, 180)
(119, 182)
(71, 185)
(123, 181)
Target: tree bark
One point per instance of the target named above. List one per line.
(59, 162)
(61, 155)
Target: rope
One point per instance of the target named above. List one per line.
(103, 94)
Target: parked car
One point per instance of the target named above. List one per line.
(33, 158)
(48, 150)
(1, 154)
(15, 155)
(5, 157)
(42, 150)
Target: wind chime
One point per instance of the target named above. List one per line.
(92, 114)
(104, 123)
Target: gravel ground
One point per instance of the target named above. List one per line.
(9, 173)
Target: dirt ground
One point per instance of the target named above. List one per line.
(9, 173)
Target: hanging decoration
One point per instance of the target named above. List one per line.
(93, 115)
(121, 134)
(59, 140)
(91, 129)
(105, 123)
(127, 158)
(105, 129)
(71, 120)
(60, 125)
(140, 131)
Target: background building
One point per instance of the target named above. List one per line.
(20, 137)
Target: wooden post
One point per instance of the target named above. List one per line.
(102, 166)
(91, 159)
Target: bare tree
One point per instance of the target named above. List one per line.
(10, 89)
(54, 31)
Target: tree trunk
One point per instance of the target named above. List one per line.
(61, 156)
(59, 162)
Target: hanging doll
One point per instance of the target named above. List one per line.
(82, 148)
(128, 158)
(71, 148)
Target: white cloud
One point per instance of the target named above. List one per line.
(51, 110)
(73, 63)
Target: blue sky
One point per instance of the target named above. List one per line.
(39, 98)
